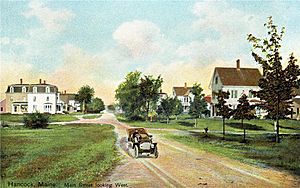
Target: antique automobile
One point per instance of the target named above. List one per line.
(139, 141)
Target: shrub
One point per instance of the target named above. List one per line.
(36, 120)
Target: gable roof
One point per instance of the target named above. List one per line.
(182, 91)
(238, 77)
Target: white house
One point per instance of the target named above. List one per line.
(236, 81)
(28, 98)
(69, 102)
(184, 95)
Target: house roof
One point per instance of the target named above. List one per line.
(41, 88)
(66, 97)
(208, 99)
(182, 91)
(238, 77)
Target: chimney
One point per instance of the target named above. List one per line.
(40, 81)
(185, 85)
(44, 81)
(21, 81)
(238, 64)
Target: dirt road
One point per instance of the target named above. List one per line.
(182, 166)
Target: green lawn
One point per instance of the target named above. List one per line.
(53, 118)
(253, 126)
(92, 116)
(62, 153)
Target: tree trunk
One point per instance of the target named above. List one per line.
(195, 122)
(167, 120)
(223, 126)
(176, 117)
(83, 107)
(147, 110)
(244, 130)
(277, 121)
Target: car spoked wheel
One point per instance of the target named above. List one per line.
(136, 151)
(155, 152)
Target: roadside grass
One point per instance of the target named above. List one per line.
(92, 116)
(252, 126)
(53, 118)
(61, 153)
(259, 149)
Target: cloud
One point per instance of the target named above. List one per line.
(139, 38)
(51, 20)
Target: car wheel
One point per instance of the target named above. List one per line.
(155, 152)
(136, 151)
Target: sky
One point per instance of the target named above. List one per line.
(96, 43)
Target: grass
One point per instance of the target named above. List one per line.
(91, 116)
(53, 118)
(70, 153)
(252, 126)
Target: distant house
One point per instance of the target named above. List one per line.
(28, 98)
(161, 95)
(296, 106)
(236, 81)
(3, 106)
(184, 95)
(69, 102)
(208, 102)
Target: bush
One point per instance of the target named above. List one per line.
(36, 120)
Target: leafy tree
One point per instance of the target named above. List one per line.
(128, 95)
(277, 82)
(36, 120)
(167, 107)
(84, 96)
(198, 106)
(178, 107)
(243, 111)
(97, 105)
(223, 109)
(149, 92)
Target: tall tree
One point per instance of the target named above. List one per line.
(222, 108)
(243, 111)
(149, 91)
(198, 105)
(178, 108)
(128, 95)
(84, 96)
(277, 82)
(167, 107)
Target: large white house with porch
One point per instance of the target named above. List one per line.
(236, 81)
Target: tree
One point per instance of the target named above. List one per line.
(277, 83)
(198, 106)
(84, 96)
(149, 89)
(178, 107)
(223, 109)
(128, 95)
(97, 105)
(243, 111)
(167, 107)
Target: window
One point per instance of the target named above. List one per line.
(47, 89)
(235, 93)
(15, 108)
(34, 89)
(216, 80)
(34, 98)
(231, 95)
(186, 99)
(11, 89)
(23, 89)
(47, 99)
(297, 111)
(34, 108)
(250, 94)
(1, 109)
